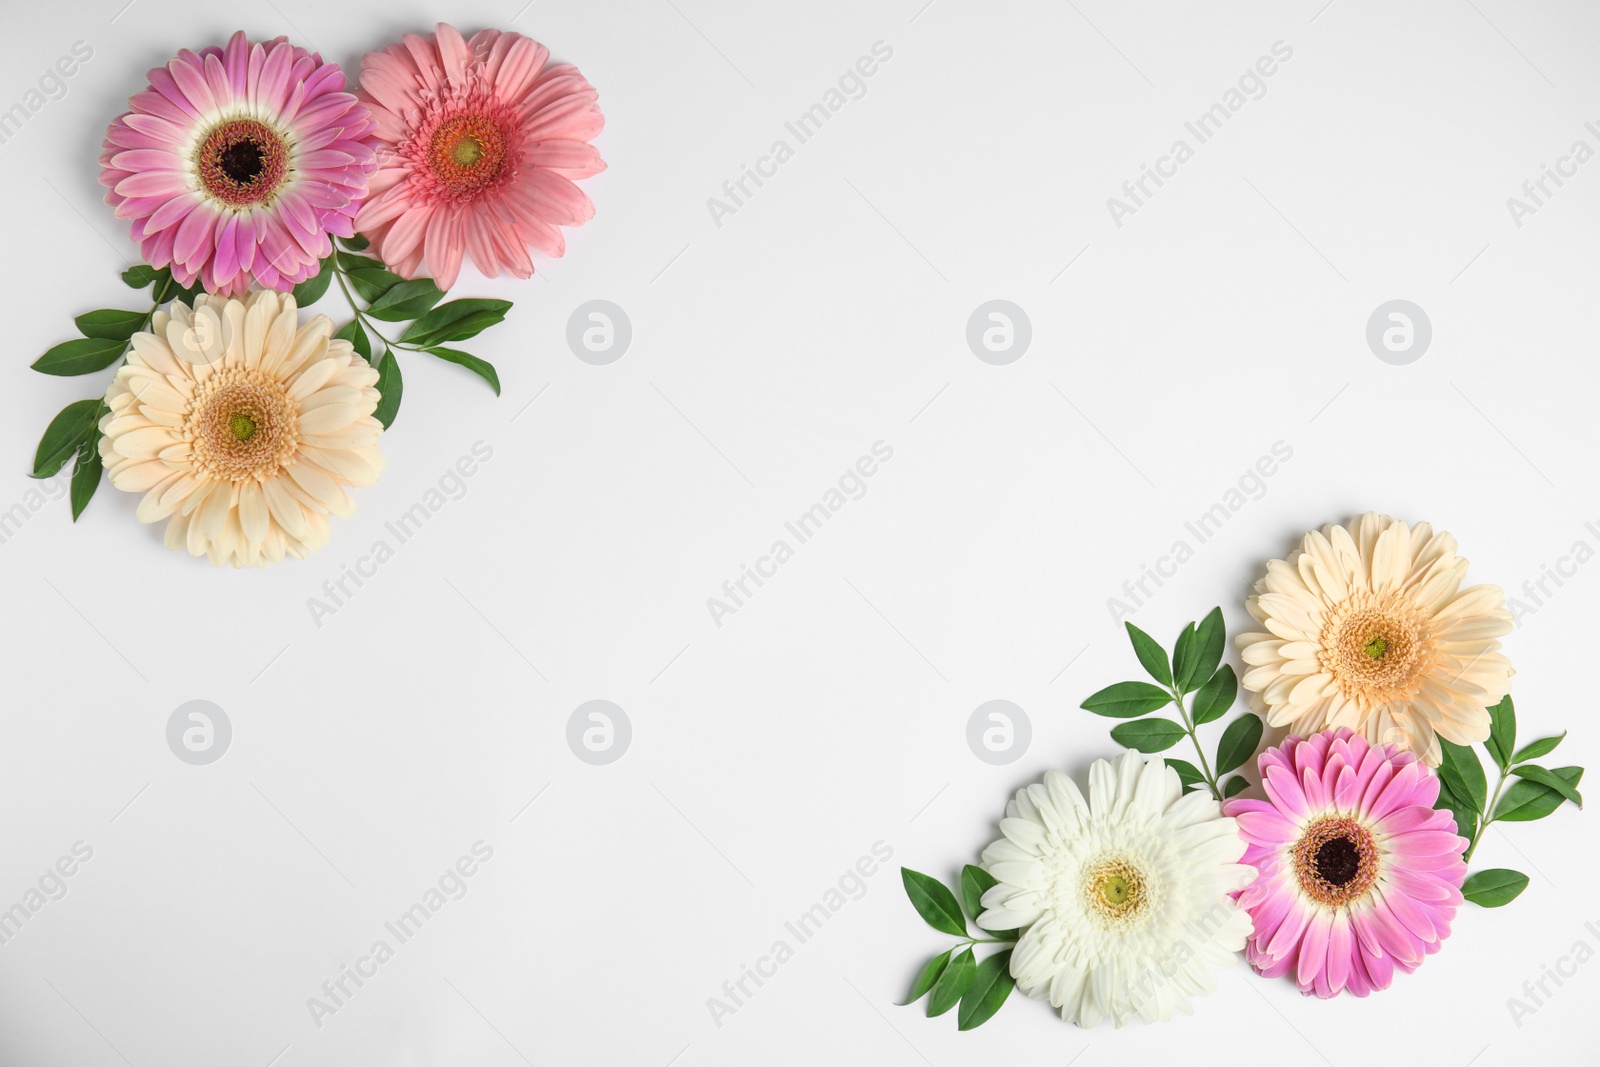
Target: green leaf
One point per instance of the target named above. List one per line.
(83, 356)
(357, 243)
(930, 974)
(70, 428)
(357, 337)
(1466, 817)
(1526, 801)
(348, 262)
(1234, 786)
(1151, 654)
(86, 473)
(1148, 735)
(1494, 888)
(1239, 742)
(1535, 773)
(482, 368)
(1127, 699)
(1187, 772)
(372, 282)
(406, 301)
(1502, 731)
(390, 387)
(1542, 747)
(934, 902)
(142, 274)
(989, 989)
(974, 881)
(110, 324)
(1462, 771)
(1195, 659)
(310, 291)
(1216, 696)
(947, 992)
(455, 321)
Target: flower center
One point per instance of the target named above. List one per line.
(1376, 647)
(1336, 861)
(242, 162)
(241, 425)
(466, 153)
(1117, 891)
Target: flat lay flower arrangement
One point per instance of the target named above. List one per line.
(256, 183)
(1341, 862)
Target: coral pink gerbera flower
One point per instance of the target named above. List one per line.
(237, 163)
(1360, 876)
(480, 144)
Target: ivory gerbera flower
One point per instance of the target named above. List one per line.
(1359, 874)
(1369, 628)
(1124, 895)
(237, 163)
(242, 427)
(480, 143)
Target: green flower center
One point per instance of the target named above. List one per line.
(467, 152)
(1376, 648)
(1116, 890)
(242, 426)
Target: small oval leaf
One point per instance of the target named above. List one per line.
(1126, 700)
(1494, 888)
(1148, 735)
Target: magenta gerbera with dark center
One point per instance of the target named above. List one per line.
(1359, 875)
(238, 163)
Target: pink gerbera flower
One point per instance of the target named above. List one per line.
(237, 163)
(480, 143)
(1360, 876)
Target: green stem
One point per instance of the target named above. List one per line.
(1487, 816)
(1190, 728)
(362, 317)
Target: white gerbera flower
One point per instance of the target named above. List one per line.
(242, 427)
(1369, 628)
(1124, 896)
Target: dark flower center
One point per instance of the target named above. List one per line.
(1338, 861)
(242, 162)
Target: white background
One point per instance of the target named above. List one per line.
(828, 313)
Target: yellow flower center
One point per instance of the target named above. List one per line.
(467, 151)
(1376, 646)
(1117, 891)
(241, 425)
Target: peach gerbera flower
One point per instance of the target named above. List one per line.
(1369, 628)
(242, 427)
(479, 144)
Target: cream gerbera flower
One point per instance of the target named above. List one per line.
(242, 426)
(1370, 629)
(1124, 896)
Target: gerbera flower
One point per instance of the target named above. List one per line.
(242, 427)
(1359, 875)
(480, 143)
(1370, 629)
(1124, 896)
(237, 163)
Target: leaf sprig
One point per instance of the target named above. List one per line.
(387, 297)
(75, 431)
(1535, 793)
(956, 976)
(1196, 667)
